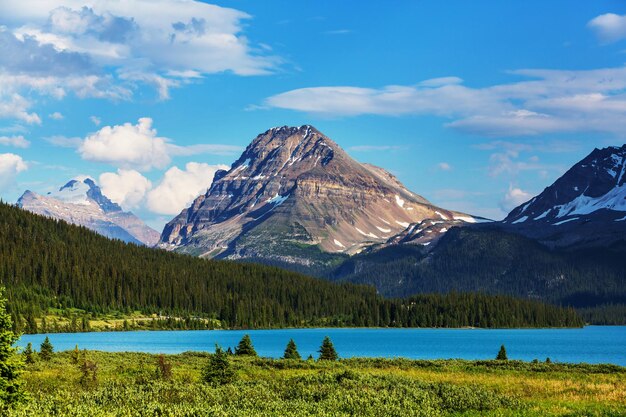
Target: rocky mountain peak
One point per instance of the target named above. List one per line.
(589, 200)
(286, 149)
(295, 187)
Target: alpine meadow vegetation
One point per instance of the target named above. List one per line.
(218, 384)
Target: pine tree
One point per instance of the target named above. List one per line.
(502, 354)
(164, 368)
(75, 355)
(29, 355)
(291, 351)
(46, 349)
(31, 324)
(218, 370)
(327, 351)
(88, 372)
(245, 348)
(10, 364)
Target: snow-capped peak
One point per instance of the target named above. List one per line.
(84, 191)
(581, 206)
(74, 192)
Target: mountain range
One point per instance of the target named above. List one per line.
(81, 202)
(295, 199)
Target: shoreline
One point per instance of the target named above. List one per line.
(116, 330)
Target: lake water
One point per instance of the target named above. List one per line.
(592, 344)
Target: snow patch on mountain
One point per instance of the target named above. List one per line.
(520, 220)
(277, 200)
(615, 199)
(565, 221)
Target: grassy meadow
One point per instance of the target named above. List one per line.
(94, 384)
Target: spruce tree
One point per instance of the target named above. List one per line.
(218, 370)
(46, 349)
(327, 351)
(245, 348)
(10, 363)
(29, 355)
(163, 368)
(502, 354)
(75, 355)
(291, 351)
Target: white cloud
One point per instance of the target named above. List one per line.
(63, 141)
(58, 47)
(127, 146)
(14, 128)
(137, 147)
(56, 116)
(547, 101)
(14, 106)
(512, 158)
(107, 49)
(161, 84)
(513, 198)
(10, 166)
(125, 187)
(444, 166)
(15, 141)
(95, 120)
(609, 27)
(395, 100)
(179, 188)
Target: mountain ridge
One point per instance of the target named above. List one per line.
(586, 206)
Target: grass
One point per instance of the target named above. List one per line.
(128, 384)
(60, 320)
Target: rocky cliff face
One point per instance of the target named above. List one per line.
(81, 202)
(295, 189)
(585, 207)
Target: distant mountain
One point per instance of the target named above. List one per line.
(490, 260)
(566, 246)
(585, 207)
(295, 197)
(81, 202)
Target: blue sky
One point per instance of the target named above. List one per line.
(475, 105)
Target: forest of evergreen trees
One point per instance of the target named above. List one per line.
(492, 261)
(47, 264)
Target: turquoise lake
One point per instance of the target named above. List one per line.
(592, 344)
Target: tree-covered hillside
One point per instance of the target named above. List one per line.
(493, 261)
(50, 265)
